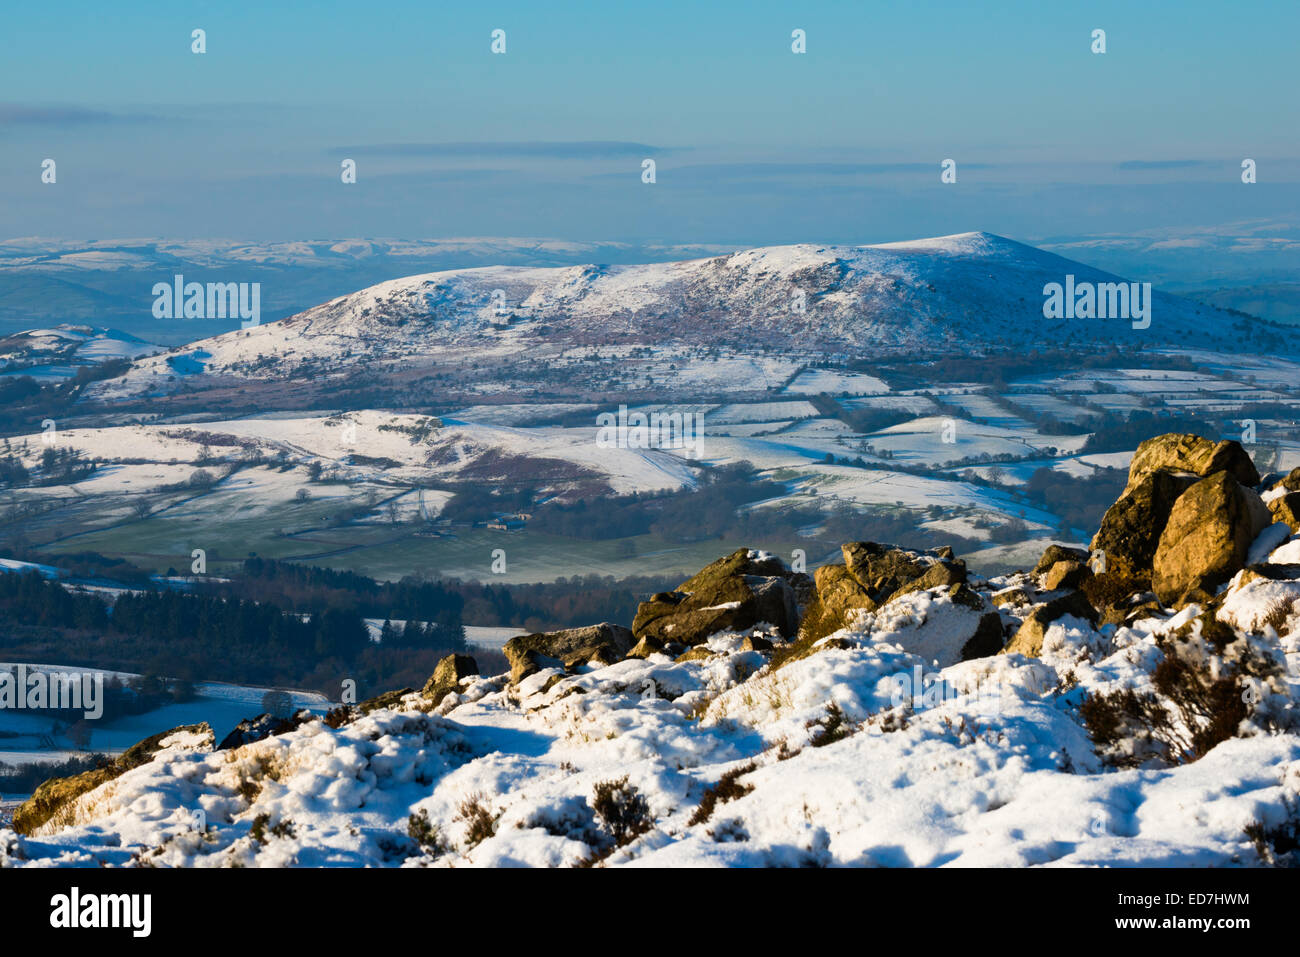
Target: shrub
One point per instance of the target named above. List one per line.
(479, 822)
(425, 833)
(728, 788)
(621, 810)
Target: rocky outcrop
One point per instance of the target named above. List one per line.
(1206, 539)
(872, 576)
(54, 800)
(570, 648)
(743, 590)
(263, 726)
(447, 675)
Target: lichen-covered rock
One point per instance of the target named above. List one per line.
(447, 675)
(1130, 530)
(606, 642)
(1286, 509)
(1291, 481)
(1207, 539)
(837, 593)
(54, 800)
(745, 589)
(1066, 574)
(872, 576)
(1180, 452)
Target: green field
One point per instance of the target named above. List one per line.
(387, 552)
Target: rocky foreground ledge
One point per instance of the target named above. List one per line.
(1129, 704)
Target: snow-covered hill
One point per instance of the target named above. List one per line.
(951, 295)
(57, 352)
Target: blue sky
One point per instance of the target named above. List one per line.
(753, 143)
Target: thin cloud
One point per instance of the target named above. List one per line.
(1161, 164)
(16, 114)
(582, 149)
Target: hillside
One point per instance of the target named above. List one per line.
(1135, 706)
(501, 328)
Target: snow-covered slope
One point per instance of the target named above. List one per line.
(954, 294)
(72, 345)
(863, 752)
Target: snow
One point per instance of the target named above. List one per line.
(982, 763)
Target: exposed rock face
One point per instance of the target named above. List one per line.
(569, 648)
(446, 676)
(1207, 539)
(1292, 480)
(1130, 530)
(263, 726)
(740, 591)
(1028, 639)
(54, 799)
(389, 699)
(1179, 452)
(874, 575)
(837, 593)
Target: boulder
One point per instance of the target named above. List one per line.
(1207, 539)
(1130, 529)
(1292, 480)
(55, 798)
(940, 574)
(447, 675)
(1179, 452)
(1010, 597)
(527, 654)
(1066, 574)
(987, 639)
(1028, 639)
(1286, 509)
(837, 593)
(646, 647)
(1059, 553)
(745, 589)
